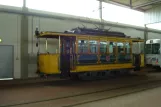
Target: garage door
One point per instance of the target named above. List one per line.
(6, 62)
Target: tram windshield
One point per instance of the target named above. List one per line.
(153, 48)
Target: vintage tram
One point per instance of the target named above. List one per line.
(83, 50)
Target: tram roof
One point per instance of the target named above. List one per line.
(48, 34)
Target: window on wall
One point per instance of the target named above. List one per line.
(85, 8)
(16, 3)
(122, 15)
(82, 46)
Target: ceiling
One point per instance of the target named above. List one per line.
(141, 5)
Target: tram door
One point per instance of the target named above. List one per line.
(67, 55)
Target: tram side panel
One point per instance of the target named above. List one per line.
(91, 62)
(91, 58)
(48, 63)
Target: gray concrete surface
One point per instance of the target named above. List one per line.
(149, 98)
(46, 94)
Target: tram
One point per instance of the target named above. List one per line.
(153, 56)
(83, 50)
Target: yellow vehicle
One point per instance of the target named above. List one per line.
(83, 53)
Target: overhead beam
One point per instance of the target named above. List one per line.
(146, 4)
(153, 23)
(73, 18)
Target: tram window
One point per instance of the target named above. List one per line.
(148, 48)
(103, 47)
(127, 48)
(112, 48)
(82, 46)
(93, 46)
(120, 47)
(155, 48)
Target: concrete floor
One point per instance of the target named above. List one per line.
(42, 92)
(149, 98)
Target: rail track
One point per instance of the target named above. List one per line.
(88, 97)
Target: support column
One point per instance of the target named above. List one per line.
(146, 33)
(130, 2)
(145, 38)
(24, 42)
(100, 14)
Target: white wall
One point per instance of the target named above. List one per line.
(154, 35)
(10, 35)
(128, 31)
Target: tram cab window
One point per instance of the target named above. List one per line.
(93, 46)
(120, 47)
(82, 46)
(127, 48)
(112, 48)
(103, 46)
(156, 48)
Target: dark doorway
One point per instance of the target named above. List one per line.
(67, 55)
